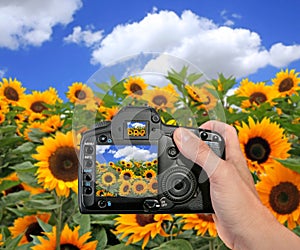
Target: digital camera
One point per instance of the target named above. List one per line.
(132, 165)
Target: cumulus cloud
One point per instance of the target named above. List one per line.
(2, 72)
(86, 37)
(31, 22)
(211, 47)
(134, 153)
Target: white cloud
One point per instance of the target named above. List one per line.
(212, 48)
(135, 153)
(2, 72)
(31, 22)
(86, 37)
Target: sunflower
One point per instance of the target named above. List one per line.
(160, 98)
(3, 106)
(147, 164)
(1, 239)
(256, 93)
(80, 93)
(21, 186)
(37, 101)
(11, 91)
(201, 223)
(139, 187)
(127, 175)
(154, 162)
(279, 190)
(261, 142)
(109, 113)
(2, 117)
(134, 86)
(170, 88)
(128, 164)
(202, 96)
(30, 128)
(52, 124)
(153, 186)
(36, 117)
(28, 225)
(149, 174)
(58, 164)
(287, 82)
(68, 240)
(108, 179)
(140, 227)
(125, 188)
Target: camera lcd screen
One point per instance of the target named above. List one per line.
(136, 129)
(126, 170)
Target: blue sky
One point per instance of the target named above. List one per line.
(55, 43)
(107, 153)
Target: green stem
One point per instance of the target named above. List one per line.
(59, 201)
(211, 244)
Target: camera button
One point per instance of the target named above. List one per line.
(88, 149)
(102, 138)
(173, 151)
(102, 204)
(204, 136)
(155, 118)
(151, 205)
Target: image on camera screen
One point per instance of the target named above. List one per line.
(136, 128)
(126, 170)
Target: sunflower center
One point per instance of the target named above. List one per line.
(286, 84)
(257, 149)
(160, 100)
(68, 246)
(11, 94)
(79, 94)
(33, 229)
(139, 187)
(144, 219)
(149, 175)
(127, 176)
(38, 107)
(108, 179)
(257, 97)
(205, 217)
(284, 198)
(14, 189)
(136, 89)
(64, 164)
(126, 188)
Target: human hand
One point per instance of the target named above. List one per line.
(240, 217)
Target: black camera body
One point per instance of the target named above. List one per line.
(132, 165)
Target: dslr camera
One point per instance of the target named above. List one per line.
(132, 165)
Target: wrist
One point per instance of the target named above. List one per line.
(266, 233)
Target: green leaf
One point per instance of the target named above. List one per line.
(85, 224)
(24, 148)
(12, 198)
(123, 247)
(13, 243)
(7, 184)
(101, 236)
(291, 163)
(7, 141)
(178, 244)
(46, 227)
(24, 166)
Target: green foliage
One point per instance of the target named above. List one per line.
(23, 195)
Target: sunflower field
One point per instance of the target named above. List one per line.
(39, 158)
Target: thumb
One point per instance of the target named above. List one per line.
(193, 148)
